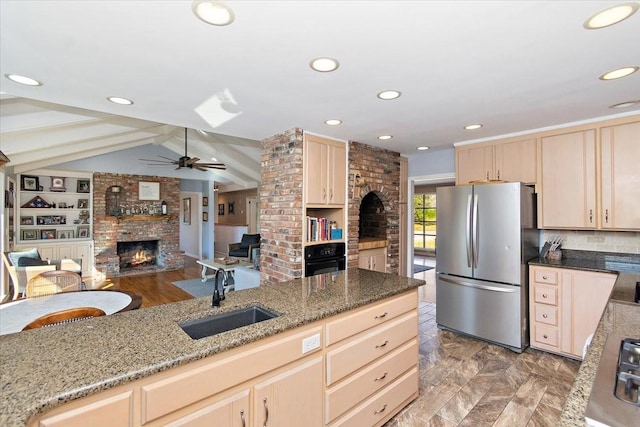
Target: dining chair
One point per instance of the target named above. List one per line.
(53, 282)
(65, 316)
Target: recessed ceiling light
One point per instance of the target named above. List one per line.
(610, 16)
(213, 159)
(213, 12)
(389, 94)
(385, 137)
(473, 127)
(119, 100)
(23, 80)
(626, 104)
(422, 148)
(324, 64)
(619, 73)
(333, 122)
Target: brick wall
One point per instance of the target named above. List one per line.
(281, 207)
(380, 170)
(107, 232)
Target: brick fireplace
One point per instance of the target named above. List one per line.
(143, 223)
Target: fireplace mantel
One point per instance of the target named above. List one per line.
(141, 218)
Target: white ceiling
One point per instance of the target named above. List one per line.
(511, 65)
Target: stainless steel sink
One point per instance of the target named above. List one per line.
(224, 322)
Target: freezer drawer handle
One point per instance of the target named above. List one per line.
(475, 285)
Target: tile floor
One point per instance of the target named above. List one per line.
(467, 382)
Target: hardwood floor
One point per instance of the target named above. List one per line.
(463, 381)
(155, 288)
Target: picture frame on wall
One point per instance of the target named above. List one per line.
(205, 216)
(205, 201)
(221, 209)
(29, 183)
(83, 203)
(84, 186)
(231, 209)
(186, 210)
(29, 235)
(148, 190)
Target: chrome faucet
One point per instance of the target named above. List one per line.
(218, 281)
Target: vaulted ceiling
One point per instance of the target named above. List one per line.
(512, 66)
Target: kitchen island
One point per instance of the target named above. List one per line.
(48, 367)
(621, 316)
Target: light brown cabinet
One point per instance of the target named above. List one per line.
(591, 179)
(325, 163)
(373, 259)
(274, 382)
(620, 166)
(506, 161)
(566, 306)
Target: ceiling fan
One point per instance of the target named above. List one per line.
(185, 161)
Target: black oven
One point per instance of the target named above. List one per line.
(323, 258)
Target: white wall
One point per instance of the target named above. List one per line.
(190, 234)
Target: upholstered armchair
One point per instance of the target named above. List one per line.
(244, 248)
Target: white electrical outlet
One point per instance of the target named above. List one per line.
(311, 343)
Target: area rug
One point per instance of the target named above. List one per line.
(417, 268)
(196, 287)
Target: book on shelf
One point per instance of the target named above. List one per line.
(318, 229)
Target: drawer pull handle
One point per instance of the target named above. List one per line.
(545, 315)
(242, 418)
(544, 295)
(544, 277)
(381, 316)
(379, 411)
(383, 344)
(266, 413)
(545, 336)
(382, 377)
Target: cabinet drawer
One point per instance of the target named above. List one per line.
(380, 407)
(546, 335)
(189, 386)
(545, 276)
(546, 314)
(115, 410)
(546, 294)
(355, 323)
(361, 351)
(353, 390)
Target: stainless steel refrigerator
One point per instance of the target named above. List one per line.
(486, 234)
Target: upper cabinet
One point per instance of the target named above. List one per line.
(568, 180)
(325, 165)
(499, 161)
(591, 178)
(620, 166)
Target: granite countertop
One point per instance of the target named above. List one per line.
(621, 316)
(45, 367)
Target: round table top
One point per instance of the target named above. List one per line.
(16, 315)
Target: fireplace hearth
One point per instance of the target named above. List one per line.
(138, 254)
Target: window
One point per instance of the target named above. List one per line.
(424, 222)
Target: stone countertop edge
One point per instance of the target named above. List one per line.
(46, 367)
(621, 316)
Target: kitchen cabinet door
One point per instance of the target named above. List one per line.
(373, 259)
(337, 164)
(516, 161)
(292, 398)
(474, 164)
(568, 197)
(325, 163)
(620, 166)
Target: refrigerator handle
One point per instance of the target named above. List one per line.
(475, 231)
(468, 229)
(462, 282)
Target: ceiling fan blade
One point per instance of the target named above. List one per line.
(197, 166)
(168, 158)
(192, 161)
(210, 166)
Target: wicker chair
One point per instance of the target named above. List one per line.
(53, 282)
(65, 316)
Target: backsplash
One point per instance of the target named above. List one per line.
(604, 241)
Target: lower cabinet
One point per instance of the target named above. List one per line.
(369, 356)
(566, 306)
(373, 259)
